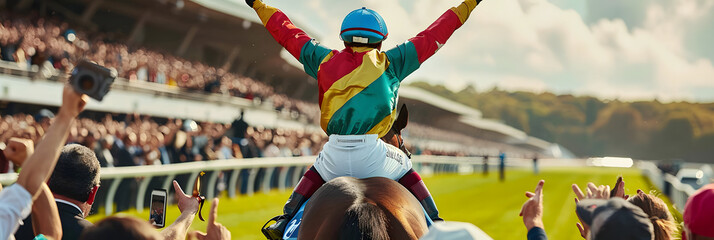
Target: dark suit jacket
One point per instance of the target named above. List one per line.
(72, 224)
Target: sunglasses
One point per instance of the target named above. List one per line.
(197, 194)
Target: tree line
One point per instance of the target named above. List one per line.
(589, 126)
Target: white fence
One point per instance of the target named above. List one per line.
(263, 174)
(247, 175)
(669, 184)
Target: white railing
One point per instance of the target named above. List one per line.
(284, 173)
(670, 185)
(273, 168)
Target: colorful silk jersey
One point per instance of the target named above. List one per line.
(359, 86)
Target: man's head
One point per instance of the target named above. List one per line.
(614, 219)
(363, 28)
(76, 176)
(121, 227)
(699, 214)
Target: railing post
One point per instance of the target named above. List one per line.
(282, 178)
(211, 192)
(265, 185)
(167, 182)
(109, 202)
(142, 192)
(251, 181)
(232, 182)
(297, 174)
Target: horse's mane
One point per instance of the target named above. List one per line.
(363, 209)
(364, 220)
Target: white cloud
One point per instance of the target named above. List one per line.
(640, 53)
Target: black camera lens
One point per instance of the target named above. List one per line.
(86, 82)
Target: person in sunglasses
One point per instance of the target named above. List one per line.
(74, 183)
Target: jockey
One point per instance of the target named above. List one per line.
(358, 98)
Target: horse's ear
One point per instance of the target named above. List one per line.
(402, 119)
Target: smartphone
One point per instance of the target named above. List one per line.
(157, 213)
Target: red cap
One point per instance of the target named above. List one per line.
(699, 212)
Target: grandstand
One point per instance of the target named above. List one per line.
(171, 57)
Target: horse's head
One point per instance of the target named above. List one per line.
(394, 136)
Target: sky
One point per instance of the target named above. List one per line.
(613, 49)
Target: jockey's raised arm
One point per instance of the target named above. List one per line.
(408, 56)
(295, 40)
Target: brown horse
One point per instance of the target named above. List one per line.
(372, 208)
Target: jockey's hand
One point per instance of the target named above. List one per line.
(250, 3)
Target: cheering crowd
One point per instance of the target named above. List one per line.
(54, 46)
(139, 140)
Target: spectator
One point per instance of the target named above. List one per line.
(502, 166)
(74, 184)
(699, 215)
(614, 219)
(532, 213)
(16, 200)
(658, 212)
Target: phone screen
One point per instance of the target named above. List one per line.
(157, 212)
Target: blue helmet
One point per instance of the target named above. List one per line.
(363, 26)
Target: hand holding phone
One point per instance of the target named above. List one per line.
(157, 213)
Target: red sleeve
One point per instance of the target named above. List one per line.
(281, 28)
(288, 35)
(430, 40)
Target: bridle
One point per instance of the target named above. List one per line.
(400, 141)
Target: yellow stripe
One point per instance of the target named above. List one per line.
(264, 11)
(373, 66)
(328, 57)
(464, 10)
(383, 126)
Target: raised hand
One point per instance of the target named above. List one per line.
(532, 210)
(214, 230)
(19, 149)
(72, 102)
(185, 202)
(619, 189)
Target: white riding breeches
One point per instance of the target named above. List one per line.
(361, 156)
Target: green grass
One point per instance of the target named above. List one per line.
(484, 201)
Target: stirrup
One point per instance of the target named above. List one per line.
(273, 232)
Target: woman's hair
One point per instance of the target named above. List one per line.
(121, 227)
(662, 220)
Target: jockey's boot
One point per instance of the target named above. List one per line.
(276, 230)
(309, 183)
(412, 181)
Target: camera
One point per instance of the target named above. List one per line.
(92, 79)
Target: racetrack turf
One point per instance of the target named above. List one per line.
(482, 200)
